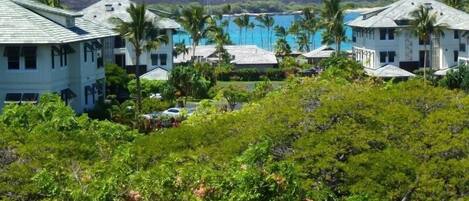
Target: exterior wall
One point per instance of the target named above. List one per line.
(45, 79)
(368, 45)
(145, 58)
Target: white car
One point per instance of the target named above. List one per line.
(176, 112)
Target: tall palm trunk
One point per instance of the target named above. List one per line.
(425, 61)
(139, 86)
(262, 40)
(194, 45)
(337, 43)
(240, 36)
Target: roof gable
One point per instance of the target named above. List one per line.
(397, 12)
(22, 23)
(98, 13)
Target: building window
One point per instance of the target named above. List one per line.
(462, 47)
(456, 34)
(154, 60)
(13, 98)
(85, 52)
(13, 55)
(424, 42)
(30, 98)
(382, 57)
(86, 94)
(392, 56)
(382, 34)
(119, 42)
(163, 59)
(29, 54)
(456, 56)
(391, 34)
(120, 60)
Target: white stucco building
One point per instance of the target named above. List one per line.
(120, 51)
(383, 37)
(49, 50)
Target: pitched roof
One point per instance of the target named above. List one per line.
(401, 10)
(387, 71)
(322, 52)
(243, 54)
(21, 23)
(156, 74)
(97, 13)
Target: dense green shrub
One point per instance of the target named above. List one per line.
(253, 74)
(458, 79)
(313, 139)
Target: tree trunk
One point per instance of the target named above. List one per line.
(262, 40)
(240, 36)
(425, 60)
(337, 42)
(139, 87)
(193, 50)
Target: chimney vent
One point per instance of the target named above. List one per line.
(109, 7)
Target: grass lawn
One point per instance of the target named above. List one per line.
(249, 84)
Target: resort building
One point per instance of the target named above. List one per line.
(383, 37)
(119, 50)
(242, 56)
(49, 50)
(317, 55)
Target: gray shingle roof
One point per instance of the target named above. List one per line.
(388, 71)
(243, 54)
(322, 52)
(19, 24)
(97, 13)
(401, 10)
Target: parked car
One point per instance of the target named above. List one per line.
(177, 112)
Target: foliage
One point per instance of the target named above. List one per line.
(457, 79)
(424, 27)
(282, 48)
(261, 89)
(196, 23)
(341, 69)
(52, 151)
(332, 20)
(150, 105)
(188, 81)
(116, 79)
(253, 74)
(143, 35)
(148, 87)
(52, 3)
(232, 94)
(313, 139)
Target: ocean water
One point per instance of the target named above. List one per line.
(258, 36)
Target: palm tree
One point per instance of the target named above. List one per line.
(52, 3)
(245, 20)
(141, 32)
(332, 16)
(268, 22)
(309, 23)
(458, 4)
(424, 27)
(282, 47)
(220, 38)
(239, 22)
(180, 48)
(251, 27)
(195, 22)
(303, 42)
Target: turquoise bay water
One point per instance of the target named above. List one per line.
(258, 36)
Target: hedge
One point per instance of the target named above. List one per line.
(252, 74)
